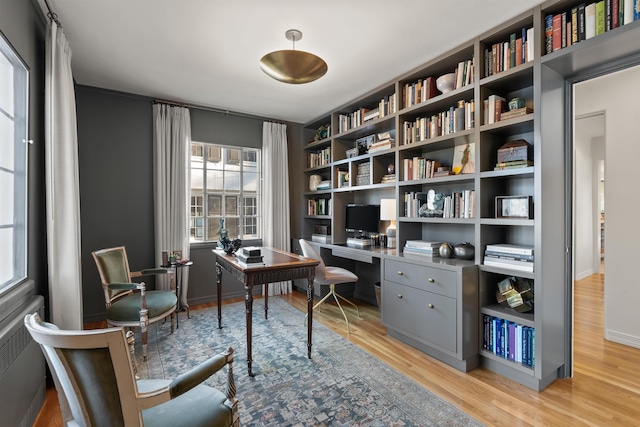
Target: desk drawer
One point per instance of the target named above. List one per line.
(424, 315)
(432, 279)
(361, 256)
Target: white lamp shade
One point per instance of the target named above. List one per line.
(387, 209)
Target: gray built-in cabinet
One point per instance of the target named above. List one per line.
(544, 82)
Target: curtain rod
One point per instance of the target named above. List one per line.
(52, 15)
(215, 110)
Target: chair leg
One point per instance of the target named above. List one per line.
(332, 292)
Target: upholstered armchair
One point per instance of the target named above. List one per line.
(130, 304)
(93, 374)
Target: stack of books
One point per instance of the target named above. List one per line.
(250, 256)
(515, 164)
(422, 248)
(513, 257)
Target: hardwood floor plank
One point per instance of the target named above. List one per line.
(605, 389)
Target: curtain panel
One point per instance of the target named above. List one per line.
(171, 152)
(62, 184)
(276, 220)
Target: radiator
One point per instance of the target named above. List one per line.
(22, 364)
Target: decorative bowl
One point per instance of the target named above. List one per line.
(445, 82)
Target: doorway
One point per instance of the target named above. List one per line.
(609, 171)
(588, 201)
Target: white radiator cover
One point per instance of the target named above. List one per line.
(22, 364)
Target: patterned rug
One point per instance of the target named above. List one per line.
(342, 385)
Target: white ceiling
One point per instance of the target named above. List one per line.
(206, 52)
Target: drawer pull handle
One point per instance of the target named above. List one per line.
(400, 273)
(431, 306)
(431, 280)
(400, 296)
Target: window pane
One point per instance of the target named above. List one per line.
(233, 159)
(213, 228)
(232, 181)
(197, 180)
(214, 205)
(215, 181)
(6, 83)
(231, 205)
(214, 157)
(250, 182)
(231, 224)
(6, 141)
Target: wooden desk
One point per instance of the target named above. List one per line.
(278, 266)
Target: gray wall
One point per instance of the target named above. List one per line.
(115, 140)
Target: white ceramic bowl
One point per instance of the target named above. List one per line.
(445, 82)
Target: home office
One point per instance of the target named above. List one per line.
(115, 163)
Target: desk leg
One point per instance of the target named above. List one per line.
(219, 293)
(309, 314)
(266, 299)
(178, 292)
(248, 301)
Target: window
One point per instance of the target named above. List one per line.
(224, 187)
(13, 167)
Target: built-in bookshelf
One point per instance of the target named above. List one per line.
(451, 146)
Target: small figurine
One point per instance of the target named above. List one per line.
(227, 245)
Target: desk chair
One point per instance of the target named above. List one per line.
(331, 276)
(125, 307)
(93, 374)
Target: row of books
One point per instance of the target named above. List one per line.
(386, 106)
(504, 55)
(588, 20)
(509, 340)
(455, 119)
(421, 168)
(250, 256)
(319, 158)
(510, 256)
(319, 206)
(422, 248)
(459, 204)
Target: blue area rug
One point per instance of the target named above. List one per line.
(342, 385)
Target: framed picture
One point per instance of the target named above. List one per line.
(464, 158)
(363, 144)
(514, 207)
(178, 255)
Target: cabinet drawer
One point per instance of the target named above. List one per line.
(432, 279)
(425, 315)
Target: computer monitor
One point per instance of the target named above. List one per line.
(364, 219)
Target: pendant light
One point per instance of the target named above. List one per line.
(293, 66)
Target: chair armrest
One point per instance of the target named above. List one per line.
(197, 375)
(121, 286)
(149, 272)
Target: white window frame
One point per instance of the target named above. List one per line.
(201, 223)
(14, 108)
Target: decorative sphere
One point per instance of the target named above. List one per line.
(445, 250)
(391, 169)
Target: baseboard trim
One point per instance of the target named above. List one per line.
(622, 338)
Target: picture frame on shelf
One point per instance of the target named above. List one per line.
(363, 144)
(464, 159)
(514, 207)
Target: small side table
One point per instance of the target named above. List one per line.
(177, 270)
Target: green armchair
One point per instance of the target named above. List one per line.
(129, 304)
(93, 374)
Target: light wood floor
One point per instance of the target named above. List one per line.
(605, 389)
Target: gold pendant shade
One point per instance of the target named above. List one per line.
(293, 66)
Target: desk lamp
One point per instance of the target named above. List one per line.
(388, 213)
